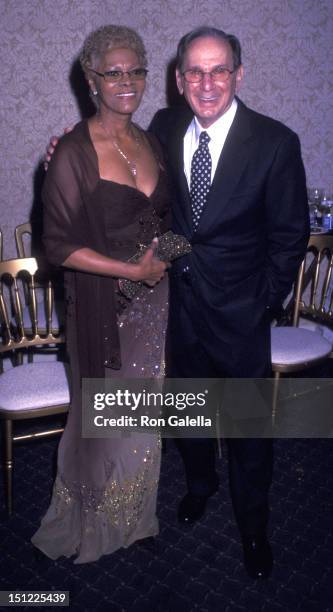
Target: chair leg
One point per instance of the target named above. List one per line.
(275, 396)
(18, 358)
(9, 464)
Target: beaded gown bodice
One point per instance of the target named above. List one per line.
(131, 218)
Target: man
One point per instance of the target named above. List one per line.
(240, 198)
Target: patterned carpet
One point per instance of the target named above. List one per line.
(187, 568)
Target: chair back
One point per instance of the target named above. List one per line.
(1, 246)
(17, 278)
(20, 232)
(313, 295)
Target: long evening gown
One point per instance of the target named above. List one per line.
(104, 495)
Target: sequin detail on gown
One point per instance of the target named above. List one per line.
(89, 520)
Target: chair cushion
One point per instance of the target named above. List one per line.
(294, 345)
(320, 328)
(34, 385)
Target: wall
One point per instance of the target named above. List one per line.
(287, 54)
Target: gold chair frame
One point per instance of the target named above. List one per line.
(20, 230)
(18, 337)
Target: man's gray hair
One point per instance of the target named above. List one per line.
(207, 31)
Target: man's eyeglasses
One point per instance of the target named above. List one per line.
(112, 76)
(194, 75)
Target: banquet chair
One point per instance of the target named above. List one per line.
(294, 347)
(24, 239)
(28, 390)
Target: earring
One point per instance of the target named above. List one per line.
(94, 93)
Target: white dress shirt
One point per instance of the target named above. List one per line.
(218, 133)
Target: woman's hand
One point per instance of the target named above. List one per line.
(149, 269)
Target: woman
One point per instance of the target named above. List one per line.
(105, 193)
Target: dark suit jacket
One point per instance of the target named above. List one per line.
(251, 238)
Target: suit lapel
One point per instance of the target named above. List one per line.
(233, 160)
(177, 161)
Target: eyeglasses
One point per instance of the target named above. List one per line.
(113, 76)
(194, 75)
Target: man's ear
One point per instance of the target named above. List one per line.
(179, 81)
(239, 77)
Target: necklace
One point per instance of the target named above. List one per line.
(131, 162)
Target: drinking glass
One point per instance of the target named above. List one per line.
(314, 198)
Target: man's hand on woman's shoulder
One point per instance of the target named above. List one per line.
(51, 147)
